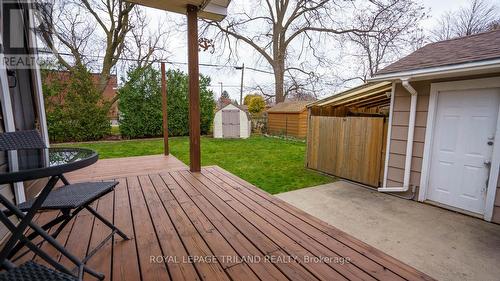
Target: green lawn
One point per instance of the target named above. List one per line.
(274, 165)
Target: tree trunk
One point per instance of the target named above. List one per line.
(279, 75)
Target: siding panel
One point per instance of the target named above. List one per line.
(397, 175)
(401, 118)
(401, 133)
(399, 147)
(398, 161)
(403, 103)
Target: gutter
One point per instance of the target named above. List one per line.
(409, 142)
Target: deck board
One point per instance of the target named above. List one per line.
(239, 231)
(125, 258)
(194, 243)
(322, 244)
(167, 235)
(294, 229)
(62, 238)
(79, 237)
(102, 260)
(388, 262)
(145, 235)
(269, 248)
(243, 246)
(125, 167)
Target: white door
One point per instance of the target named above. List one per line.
(462, 147)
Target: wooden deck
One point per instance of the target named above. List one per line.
(129, 166)
(215, 226)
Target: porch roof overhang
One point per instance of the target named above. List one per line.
(208, 9)
(364, 95)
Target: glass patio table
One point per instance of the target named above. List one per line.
(46, 162)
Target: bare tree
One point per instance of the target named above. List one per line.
(63, 28)
(478, 16)
(396, 35)
(290, 35)
(97, 34)
(305, 89)
(146, 46)
(444, 29)
(81, 25)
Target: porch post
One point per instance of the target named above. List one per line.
(164, 108)
(194, 90)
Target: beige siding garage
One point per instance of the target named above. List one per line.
(399, 133)
(459, 80)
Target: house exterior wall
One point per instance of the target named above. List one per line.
(289, 124)
(22, 106)
(5, 189)
(245, 125)
(399, 132)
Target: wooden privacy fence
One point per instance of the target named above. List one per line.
(347, 147)
(259, 124)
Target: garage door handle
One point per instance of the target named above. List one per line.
(487, 163)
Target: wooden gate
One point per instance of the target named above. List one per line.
(347, 147)
(230, 123)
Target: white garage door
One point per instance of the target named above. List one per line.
(462, 147)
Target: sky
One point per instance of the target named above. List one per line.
(230, 77)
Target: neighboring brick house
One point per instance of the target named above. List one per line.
(109, 92)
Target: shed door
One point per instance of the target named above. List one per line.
(230, 123)
(462, 148)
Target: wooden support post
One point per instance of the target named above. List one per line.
(194, 90)
(164, 108)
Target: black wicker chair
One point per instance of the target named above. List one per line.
(30, 270)
(35, 272)
(69, 199)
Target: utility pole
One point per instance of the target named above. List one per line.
(221, 88)
(241, 87)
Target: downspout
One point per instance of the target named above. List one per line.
(409, 142)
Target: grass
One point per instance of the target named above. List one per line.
(275, 165)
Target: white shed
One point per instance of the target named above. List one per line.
(232, 122)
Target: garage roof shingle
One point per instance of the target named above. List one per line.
(473, 48)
